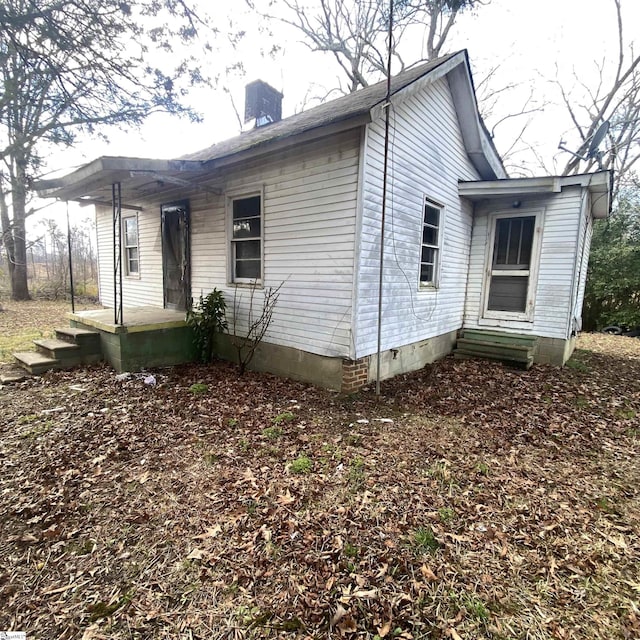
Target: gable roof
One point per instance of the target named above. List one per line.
(94, 179)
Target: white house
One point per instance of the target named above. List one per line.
(468, 253)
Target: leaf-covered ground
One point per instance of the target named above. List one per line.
(472, 501)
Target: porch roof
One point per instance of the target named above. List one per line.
(598, 184)
(140, 177)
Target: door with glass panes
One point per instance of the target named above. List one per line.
(511, 271)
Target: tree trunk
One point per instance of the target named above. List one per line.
(7, 234)
(19, 284)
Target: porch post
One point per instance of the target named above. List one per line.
(116, 201)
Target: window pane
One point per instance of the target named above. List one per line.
(428, 255)
(501, 243)
(515, 236)
(130, 232)
(246, 228)
(246, 207)
(248, 269)
(133, 253)
(429, 235)
(426, 273)
(508, 293)
(133, 266)
(431, 215)
(528, 226)
(514, 239)
(248, 250)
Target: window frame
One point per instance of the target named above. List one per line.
(437, 247)
(126, 247)
(532, 273)
(231, 197)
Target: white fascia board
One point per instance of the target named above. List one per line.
(478, 144)
(418, 85)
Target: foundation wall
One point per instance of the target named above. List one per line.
(133, 351)
(554, 350)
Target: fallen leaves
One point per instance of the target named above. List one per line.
(159, 513)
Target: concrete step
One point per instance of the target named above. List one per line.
(88, 341)
(34, 362)
(78, 336)
(499, 337)
(67, 353)
(519, 362)
(10, 374)
(499, 348)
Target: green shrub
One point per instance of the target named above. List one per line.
(302, 464)
(207, 320)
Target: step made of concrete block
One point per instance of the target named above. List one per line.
(35, 362)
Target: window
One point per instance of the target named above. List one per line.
(511, 263)
(246, 239)
(132, 259)
(430, 248)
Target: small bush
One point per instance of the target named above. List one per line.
(272, 433)
(207, 320)
(424, 540)
(302, 464)
(199, 388)
(285, 416)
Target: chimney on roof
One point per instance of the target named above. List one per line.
(262, 103)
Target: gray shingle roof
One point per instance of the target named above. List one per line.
(344, 108)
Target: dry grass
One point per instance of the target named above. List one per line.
(23, 322)
(472, 502)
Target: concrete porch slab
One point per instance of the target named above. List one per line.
(135, 319)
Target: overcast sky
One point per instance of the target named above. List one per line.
(531, 42)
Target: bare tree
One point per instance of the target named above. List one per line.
(247, 333)
(355, 31)
(76, 65)
(615, 99)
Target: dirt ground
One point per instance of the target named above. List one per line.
(472, 501)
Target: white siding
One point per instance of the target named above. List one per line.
(309, 207)
(556, 269)
(427, 158)
(586, 232)
(145, 289)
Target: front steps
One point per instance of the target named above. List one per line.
(71, 347)
(513, 349)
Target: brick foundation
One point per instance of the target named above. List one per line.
(355, 374)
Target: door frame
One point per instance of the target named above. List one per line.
(168, 208)
(527, 315)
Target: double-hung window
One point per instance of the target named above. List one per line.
(246, 238)
(131, 249)
(430, 247)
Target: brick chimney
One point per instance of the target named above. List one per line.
(262, 103)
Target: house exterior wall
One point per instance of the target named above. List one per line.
(427, 158)
(138, 291)
(309, 220)
(556, 272)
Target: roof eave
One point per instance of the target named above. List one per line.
(284, 142)
(478, 143)
(598, 184)
(105, 170)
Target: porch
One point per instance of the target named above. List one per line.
(147, 336)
